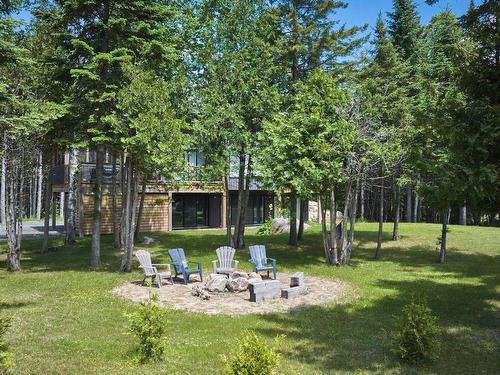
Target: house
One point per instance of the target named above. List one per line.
(167, 206)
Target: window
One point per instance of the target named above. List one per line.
(195, 158)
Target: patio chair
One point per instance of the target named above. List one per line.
(150, 269)
(226, 263)
(181, 265)
(260, 261)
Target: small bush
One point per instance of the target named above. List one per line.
(149, 326)
(5, 358)
(265, 228)
(253, 357)
(418, 338)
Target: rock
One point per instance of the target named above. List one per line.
(297, 279)
(254, 280)
(254, 275)
(198, 291)
(282, 225)
(237, 274)
(238, 284)
(216, 282)
(314, 215)
(148, 240)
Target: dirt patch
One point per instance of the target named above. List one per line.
(178, 296)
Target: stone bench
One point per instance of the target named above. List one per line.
(264, 290)
(294, 292)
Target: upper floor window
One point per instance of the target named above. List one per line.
(195, 158)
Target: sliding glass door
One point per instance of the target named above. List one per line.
(190, 210)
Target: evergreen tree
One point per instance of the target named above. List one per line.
(385, 92)
(438, 157)
(102, 35)
(404, 27)
(238, 91)
(311, 38)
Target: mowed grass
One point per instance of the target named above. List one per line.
(67, 321)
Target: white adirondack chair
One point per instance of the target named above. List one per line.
(150, 269)
(225, 262)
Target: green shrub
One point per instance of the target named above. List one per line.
(5, 358)
(253, 357)
(266, 227)
(418, 337)
(149, 326)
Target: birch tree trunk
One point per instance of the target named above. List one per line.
(116, 227)
(397, 209)
(141, 208)
(13, 190)
(333, 227)
(408, 204)
(130, 220)
(241, 196)
(343, 238)
(95, 256)
(352, 220)
(3, 190)
(362, 203)
(70, 237)
(40, 187)
(302, 216)
(229, 236)
(380, 219)
(415, 208)
(324, 234)
(462, 215)
(240, 241)
(292, 240)
(444, 231)
(47, 202)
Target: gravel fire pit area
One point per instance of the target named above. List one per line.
(232, 301)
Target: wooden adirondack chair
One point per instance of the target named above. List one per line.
(227, 264)
(150, 269)
(181, 265)
(260, 261)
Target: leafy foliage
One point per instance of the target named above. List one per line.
(253, 357)
(266, 227)
(149, 326)
(5, 357)
(418, 336)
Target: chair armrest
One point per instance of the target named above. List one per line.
(214, 265)
(272, 260)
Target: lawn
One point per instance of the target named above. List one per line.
(66, 320)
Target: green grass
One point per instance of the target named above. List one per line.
(66, 320)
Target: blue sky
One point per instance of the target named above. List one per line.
(360, 12)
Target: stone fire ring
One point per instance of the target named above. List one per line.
(178, 296)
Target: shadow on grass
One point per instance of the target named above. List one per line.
(353, 337)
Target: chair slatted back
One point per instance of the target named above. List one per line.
(145, 261)
(258, 254)
(225, 255)
(178, 258)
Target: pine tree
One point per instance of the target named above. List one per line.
(404, 27)
(102, 35)
(384, 89)
(311, 39)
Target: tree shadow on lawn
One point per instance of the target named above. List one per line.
(352, 337)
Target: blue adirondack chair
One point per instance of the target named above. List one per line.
(181, 265)
(260, 261)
